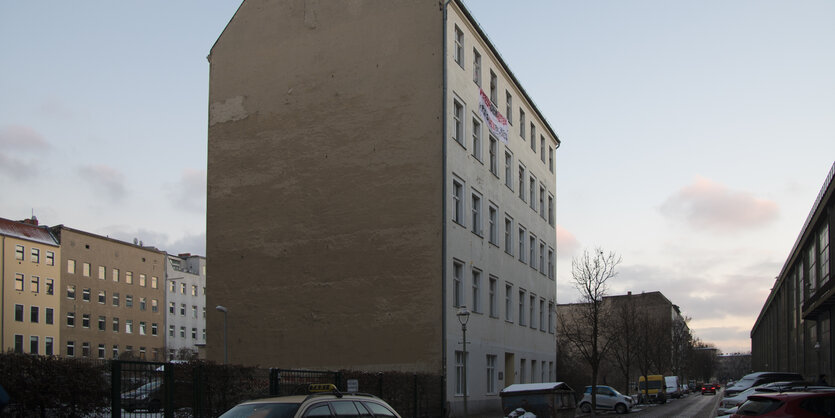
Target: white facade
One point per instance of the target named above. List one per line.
(500, 228)
(185, 303)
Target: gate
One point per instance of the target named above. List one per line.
(141, 388)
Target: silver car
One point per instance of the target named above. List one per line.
(608, 398)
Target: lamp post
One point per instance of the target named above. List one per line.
(225, 341)
(464, 316)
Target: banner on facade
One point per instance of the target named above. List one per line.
(496, 122)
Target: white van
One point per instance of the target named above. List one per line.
(673, 388)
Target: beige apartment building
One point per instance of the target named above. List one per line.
(29, 297)
(111, 297)
(374, 168)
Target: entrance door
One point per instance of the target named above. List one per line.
(509, 369)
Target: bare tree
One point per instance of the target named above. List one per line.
(583, 329)
(623, 327)
(682, 340)
(652, 350)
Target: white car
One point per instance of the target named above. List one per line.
(607, 398)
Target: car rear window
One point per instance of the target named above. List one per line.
(378, 410)
(758, 406)
(821, 405)
(262, 410)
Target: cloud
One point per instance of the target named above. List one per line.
(567, 244)
(189, 192)
(194, 244)
(16, 169)
(105, 178)
(22, 138)
(708, 205)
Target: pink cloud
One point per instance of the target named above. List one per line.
(567, 244)
(22, 137)
(710, 205)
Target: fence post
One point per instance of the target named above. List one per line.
(380, 384)
(116, 389)
(273, 381)
(168, 386)
(415, 398)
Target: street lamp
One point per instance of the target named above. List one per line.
(464, 316)
(225, 341)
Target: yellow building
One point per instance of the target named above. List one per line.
(29, 296)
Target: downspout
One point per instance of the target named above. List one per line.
(3, 293)
(444, 215)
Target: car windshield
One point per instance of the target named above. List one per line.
(758, 406)
(263, 410)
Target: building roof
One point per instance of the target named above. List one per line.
(27, 231)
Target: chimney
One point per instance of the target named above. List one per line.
(32, 221)
(629, 293)
(184, 255)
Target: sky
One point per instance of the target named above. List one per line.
(695, 135)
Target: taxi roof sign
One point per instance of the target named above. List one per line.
(322, 387)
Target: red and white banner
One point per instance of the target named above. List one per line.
(496, 122)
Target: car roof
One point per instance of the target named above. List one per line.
(785, 396)
(277, 399)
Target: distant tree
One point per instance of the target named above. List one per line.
(584, 329)
(624, 324)
(682, 341)
(652, 349)
(703, 360)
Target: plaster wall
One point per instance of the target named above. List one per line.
(324, 223)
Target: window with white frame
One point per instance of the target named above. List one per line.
(35, 255)
(85, 320)
(71, 266)
(476, 290)
(102, 272)
(19, 250)
(508, 169)
(551, 158)
(550, 209)
(459, 47)
(532, 251)
(541, 201)
(533, 369)
(532, 186)
(533, 137)
(542, 314)
(50, 258)
(491, 373)
(522, 238)
(532, 311)
(494, 89)
(508, 302)
(476, 212)
(460, 360)
(115, 298)
(508, 235)
(494, 158)
(550, 263)
(522, 182)
(823, 254)
(542, 148)
(492, 297)
(476, 67)
(85, 269)
(476, 139)
(458, 121)
(457, 284)
(35, 284)
(458, 201)
(493, 224)
(115, 324)
(542, 257)
(522, 297)
(19, 279)
(522, 123)
(508, 107)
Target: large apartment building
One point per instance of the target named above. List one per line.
(185, 299)
(30, 306)
(373, 168)
(111, 293)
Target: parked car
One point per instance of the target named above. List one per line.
(708, 388)
(789, 404)
(759, 378)
(672, 387)
(543, 400)
(607, 398)
(331, 403)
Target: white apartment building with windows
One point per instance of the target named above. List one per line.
(185, 305)
(372, 169)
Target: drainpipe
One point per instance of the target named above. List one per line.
(443, 213)
(2, 294)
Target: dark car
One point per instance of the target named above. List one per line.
(789, 404)
(760, 378)
(709, 388)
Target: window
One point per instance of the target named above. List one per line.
(476, 67)
(50, 286)
(182, 288)
(476, 210)
(33, 345)
(85, 349)
(142, 280)
(194, 290)
(102, 297)
(129, 301)
(18, 252)
(532, 255)
(532, 311)
(508, 99)
(115, 275)
(154, 282)
(154, 305)
(35, 255)
(102, 273)
(101, 351)
(143, 303)
(182, 309)
(18, 312)
(48, 344)
(550, 209)
(476, 139)
(142, 353)
(542, 315)
(542, 201)
(194, 311)
(50, 261)
(129, 326)
(154, 328)
(551, 158)
(533, 138)
(34, 314)
(141, 328)
(522, 237)
(70, 319)
(508, 170)
(522, 295)
(457, 291)
(523, 378)
(18, 282)
(508, 302)
(85, 269)
(71, 266)
(194, 333)
(171, 330)
(460, 359)
(115, 351)
(542, 148)
(458, 121)
(533, 369)
(171, 307)
(35, 284)
(542, 257)
(182, 332)
(102, 323)
(459, 47)
(532, 185)
(522, 123)
(49, 316)
(493, 224)
(491, 373)
(85, 294)
(494, 307)
(85, 320)
(70, 291)
(522, 182)
(18, 343)
(551, 317)
(129, 277)
(70, 348)
(550, 263)
(172, 287)
(494, 158)
(823, 253)
(476, 290)
(494, 88)
(115, 298)
(508, 235)
(457, 202)
(115, 324)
